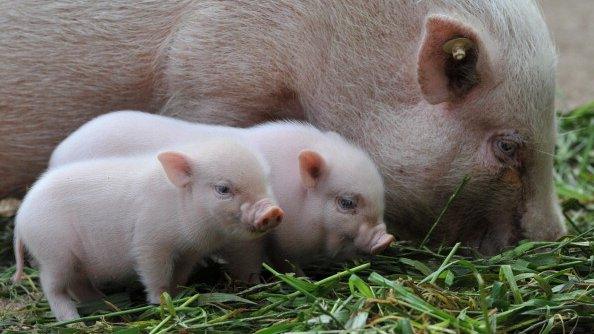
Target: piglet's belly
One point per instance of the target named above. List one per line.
(111, 263)
(105, 249)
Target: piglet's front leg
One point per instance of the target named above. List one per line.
(182, 270)
(155, 268)
(244, 260)
(283, 265)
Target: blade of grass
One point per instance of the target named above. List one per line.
(172, 310)
(507, 274)
(445, 209)
(319, 283)
(444, 265)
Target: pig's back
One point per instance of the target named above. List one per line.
(103, 61)
(286, 138)
(280, 144)
(125, 133)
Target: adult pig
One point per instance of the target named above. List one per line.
(382, 73)
(104, 220)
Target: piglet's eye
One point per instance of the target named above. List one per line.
(223, 190)
(346, 203)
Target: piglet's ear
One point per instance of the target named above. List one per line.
(451, 60)
(311, 167)
(177, 167)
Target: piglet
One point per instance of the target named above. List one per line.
(108, 219)
(331, 191)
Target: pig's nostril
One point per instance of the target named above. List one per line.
(271, 219)
(279, 215)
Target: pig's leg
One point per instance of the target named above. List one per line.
(83, 290)
(181, 272)
(245, 261)
(54, 285)
(248, 273)
(286, 266)
(156, 271)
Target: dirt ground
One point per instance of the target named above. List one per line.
(572, 24)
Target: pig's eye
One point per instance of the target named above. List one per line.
(223, 190)
(346, 204)
(506, 148)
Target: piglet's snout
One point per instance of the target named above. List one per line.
(373, 239)
(381, 243)
(263, 215)
(270, 219)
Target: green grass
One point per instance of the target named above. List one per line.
(537, 287)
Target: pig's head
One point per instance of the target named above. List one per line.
(225, 184)
(345, 196)
(436, 90)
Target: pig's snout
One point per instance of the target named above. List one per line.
(381, 243)
(262, 215)
(270, 219)
(373, 239)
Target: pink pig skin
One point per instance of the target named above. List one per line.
(310, 171)
(155, 215)
(374, 71)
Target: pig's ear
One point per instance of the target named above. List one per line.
(177, 167)
(311, 167)
(452, 60)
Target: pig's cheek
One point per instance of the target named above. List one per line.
(347, 251)
(248, 216)
(487, 163)
(333, 244)
(363, 236)
(511, 177)
(228, 212)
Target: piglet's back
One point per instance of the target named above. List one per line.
(124, 133)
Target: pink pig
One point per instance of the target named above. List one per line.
(108, 219)
(331, 191)
(434, 90)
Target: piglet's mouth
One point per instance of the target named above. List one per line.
(345, 249)
(257, 230)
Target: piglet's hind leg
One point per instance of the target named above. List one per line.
(83, 290)
(54, 285)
